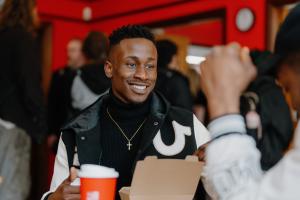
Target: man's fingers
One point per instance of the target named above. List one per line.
(247, 62)
(233, 48)
(71, 189)
(234, 45)
(73, 196)
(245, 55)
(73, 174)
(216, 50)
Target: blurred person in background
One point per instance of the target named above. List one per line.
(59, 92)
(22, 112)
(78, 85)
(170, 82)
(90, 80)
(266, 112)
(74, 54)
(237, 174)
(199, 101)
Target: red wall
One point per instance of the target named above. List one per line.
(205, 33)
(65, 16)
(63, 31)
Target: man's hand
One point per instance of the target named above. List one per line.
(200, 152)
(65, 191)
(225, 74)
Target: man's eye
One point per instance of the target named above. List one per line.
(149, 66)
(132, 65)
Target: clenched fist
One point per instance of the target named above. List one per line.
(225, 74)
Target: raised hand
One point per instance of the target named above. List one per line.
(66, 191)
(225, 74)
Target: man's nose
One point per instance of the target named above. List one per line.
(140, 73)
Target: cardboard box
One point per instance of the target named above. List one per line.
(164, 179)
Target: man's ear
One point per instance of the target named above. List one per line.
(108, 68)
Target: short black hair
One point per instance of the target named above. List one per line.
(95, 46)
(166, 49)
(130, 31)
(292, 60)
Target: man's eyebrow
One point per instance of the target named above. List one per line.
(136, 58)
(151, 59)
(132, 57)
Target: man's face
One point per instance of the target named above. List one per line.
(74, 53)
(290, 81)
(132, 67)
(174, 64)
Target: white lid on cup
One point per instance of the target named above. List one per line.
(97, 171)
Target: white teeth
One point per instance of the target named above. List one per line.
(139, 87)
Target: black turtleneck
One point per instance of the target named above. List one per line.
(114, 145)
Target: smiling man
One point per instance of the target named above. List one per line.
(127, 123)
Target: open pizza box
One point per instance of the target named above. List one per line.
(164, 179)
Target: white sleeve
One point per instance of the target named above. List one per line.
(282, 181)
(202, 135)
(233, 166)
(61, 168)
(232, 161)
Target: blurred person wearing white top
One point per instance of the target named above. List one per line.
(233, 162)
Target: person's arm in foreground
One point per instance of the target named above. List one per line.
(61, 187)
(233, 166)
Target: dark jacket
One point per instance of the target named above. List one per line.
(87, 130)
(277, 126)
(21, 99)
(175, 87)
(60, 108)
(164, 126)
(59, 99)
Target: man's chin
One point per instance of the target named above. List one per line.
(138, 99)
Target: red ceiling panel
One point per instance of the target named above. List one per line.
(206, 33)
(107, 8)
(73, 9)
(61, 8)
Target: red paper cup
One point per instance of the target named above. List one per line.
(97, 182)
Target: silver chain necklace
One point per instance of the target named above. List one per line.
(129, 144)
